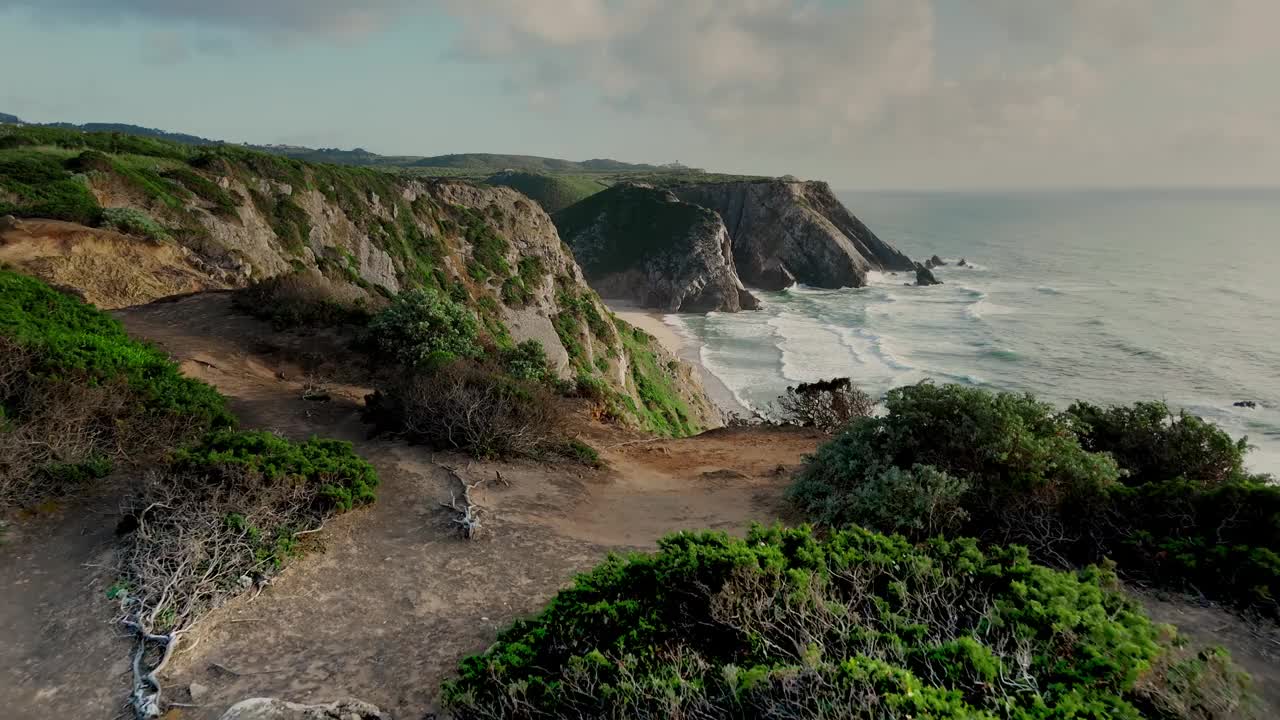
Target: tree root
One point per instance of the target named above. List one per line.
(468, 519)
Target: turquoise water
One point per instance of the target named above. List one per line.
(1110, 296)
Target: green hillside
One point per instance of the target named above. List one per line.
(553, 192)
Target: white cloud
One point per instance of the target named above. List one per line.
(992, 85)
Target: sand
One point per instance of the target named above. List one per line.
(682, 346)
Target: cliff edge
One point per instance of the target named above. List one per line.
(785, 231)
(646, 245)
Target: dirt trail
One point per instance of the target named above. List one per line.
(394, 599)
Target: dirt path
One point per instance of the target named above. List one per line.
(394, 599)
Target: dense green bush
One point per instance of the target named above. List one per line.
(1177, 510)
(343, 478)
(526, 361)
(79, 343)
(423, 327)
(1153, 444)
(859, 625)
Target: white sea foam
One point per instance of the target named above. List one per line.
(982, 309)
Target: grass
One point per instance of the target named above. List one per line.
(624, 226)
(76, 340)
(553, 192)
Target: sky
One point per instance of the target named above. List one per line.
(866, 94)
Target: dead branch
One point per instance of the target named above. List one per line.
(468, 520)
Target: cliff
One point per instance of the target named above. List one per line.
(787, 231)
(646, 245)
(127, 220)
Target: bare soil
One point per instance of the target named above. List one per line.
(109, 269)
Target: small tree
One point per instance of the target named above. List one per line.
(827, 405)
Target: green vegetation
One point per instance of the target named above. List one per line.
(134, 222)
(639, 224)
(1164, 495)
(222, 201)
(75, 342)
(553, 192)
(662, 410)
(423, 327)
(858, 625)
(342, 478)
(37, 184)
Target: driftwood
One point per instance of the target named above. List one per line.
(468, 519)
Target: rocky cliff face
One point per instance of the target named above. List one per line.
(223, 218)
(646, 245)
(789, 231)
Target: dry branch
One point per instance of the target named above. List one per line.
(468, 519)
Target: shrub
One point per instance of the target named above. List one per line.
(468, 406)
(225, 516)
(305, 298)
(134, 222)
(859, 625)
(75, 340)
(827, 405)
(341, 478)
(1030, 481)
(45, 189)
(1153, 444)
(79, 397)
(422, 326)
(1005, 467)
(527, 361)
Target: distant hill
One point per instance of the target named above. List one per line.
(553, 192)
(534, 163)
(468, 164)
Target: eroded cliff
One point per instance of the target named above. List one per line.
(195, 219)
(790, 231)
(647, 246)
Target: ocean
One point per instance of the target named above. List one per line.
(1106, 296)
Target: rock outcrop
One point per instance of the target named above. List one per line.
(273, 709)
(784, 232)
(645, 245)
(935, 262)
(925, 276)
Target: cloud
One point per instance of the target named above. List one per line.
(335, 18)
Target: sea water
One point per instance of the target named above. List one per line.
(1110, 297)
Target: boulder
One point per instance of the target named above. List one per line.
(925, 276)
(1246, 404)
(962, 263)
(8, 222)
(274, 709)
(936, 261)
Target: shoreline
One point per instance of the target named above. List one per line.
(682, 346)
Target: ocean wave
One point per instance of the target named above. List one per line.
(982, 309)
(1002, 354)
(1046, 290)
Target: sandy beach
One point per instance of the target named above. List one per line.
(683, 347)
